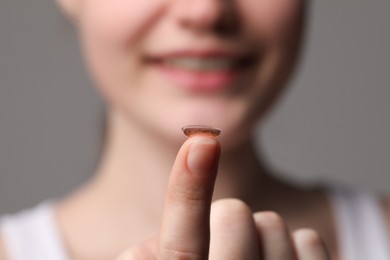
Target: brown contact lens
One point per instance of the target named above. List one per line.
(191, 130)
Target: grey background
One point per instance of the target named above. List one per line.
(331, 125)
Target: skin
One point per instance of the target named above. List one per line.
(115, 38)
(136, 202)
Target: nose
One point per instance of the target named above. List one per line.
(203, 15)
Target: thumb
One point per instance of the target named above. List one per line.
(146, 250)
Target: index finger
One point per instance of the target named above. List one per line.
(185, 231)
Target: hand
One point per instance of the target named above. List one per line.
(236, 233)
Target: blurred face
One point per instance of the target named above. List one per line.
(169, 63)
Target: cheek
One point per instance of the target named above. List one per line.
(272, 19)
(119, 21)
(276, 25)
(110, 32)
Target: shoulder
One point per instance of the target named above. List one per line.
(386, 206)
(361, 199)
(24, 227)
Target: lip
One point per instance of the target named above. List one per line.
(202, 81)
(202, 53)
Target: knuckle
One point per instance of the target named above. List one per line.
(269, 221)
(227, 207)
(189, 199)
(308, 238)
(188, 194)
(228, 211)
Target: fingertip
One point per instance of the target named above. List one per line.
(269, 221)
(307, 237)
(228, 212)
(309, 245)
(203, 153)
(202, 139)
(233, 231)
(146, 250)
(274, 236)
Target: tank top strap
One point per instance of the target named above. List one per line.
(361, 224)
(33, 234)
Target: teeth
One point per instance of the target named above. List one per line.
(201, 64)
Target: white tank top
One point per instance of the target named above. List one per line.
(360, 221)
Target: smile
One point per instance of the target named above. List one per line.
(203, 71)
(201, 64)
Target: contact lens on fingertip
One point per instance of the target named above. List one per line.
(191, 130)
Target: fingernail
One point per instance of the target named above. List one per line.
(202, 154)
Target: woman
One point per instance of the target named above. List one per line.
(164, 64)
